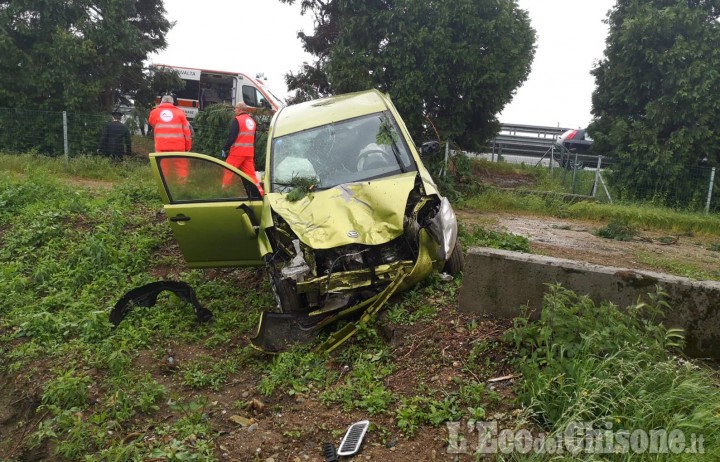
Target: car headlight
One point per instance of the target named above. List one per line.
(443, 228)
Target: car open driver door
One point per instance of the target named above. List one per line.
(212, 208)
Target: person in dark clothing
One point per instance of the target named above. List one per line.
(115, 140)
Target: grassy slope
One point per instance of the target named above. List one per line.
(77, 236)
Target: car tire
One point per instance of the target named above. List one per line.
(285, 294)
(456, 263)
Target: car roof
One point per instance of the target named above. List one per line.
(309, 114)
(579, 133)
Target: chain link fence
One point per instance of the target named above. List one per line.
(71, 134)
(701, 191)
(591, 175)
(50, 133)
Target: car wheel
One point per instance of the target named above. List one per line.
(285, 294)
(456, 263)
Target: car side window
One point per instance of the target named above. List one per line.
(199, 180)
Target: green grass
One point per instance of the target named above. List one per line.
(421, 304)
(78, 167)
(648, 216)
(475, 236)
(598, 365)
(69, 252)
(638, 216)
(671, 266)
(523, 201)
(618, 231)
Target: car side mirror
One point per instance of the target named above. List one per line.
(429, 148)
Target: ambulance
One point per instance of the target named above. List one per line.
(205, 87)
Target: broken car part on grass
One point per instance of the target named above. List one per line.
(350, 214)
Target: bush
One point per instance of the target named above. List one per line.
(212, 128)
(611, 369)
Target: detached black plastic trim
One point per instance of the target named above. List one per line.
(146, 296)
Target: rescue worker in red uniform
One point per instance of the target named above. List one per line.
(240, 146)
(172, 134)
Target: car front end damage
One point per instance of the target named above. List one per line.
(337, 251)
(350, 216)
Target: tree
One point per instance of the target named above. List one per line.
(154, 82)
(656, 104)
(76, 55)
(448, 66)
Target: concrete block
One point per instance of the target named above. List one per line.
(498, 283)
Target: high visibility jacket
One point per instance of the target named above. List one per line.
(244, 143)
(171, 128)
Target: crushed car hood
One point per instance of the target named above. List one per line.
(369, 212)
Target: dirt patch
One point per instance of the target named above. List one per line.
(501, 179)
(679, 254)
(432, 354)
(429, 354)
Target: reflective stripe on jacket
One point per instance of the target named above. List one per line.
(171, 128)
(243, 145)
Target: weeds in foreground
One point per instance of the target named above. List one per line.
(477, 236)
(363, 386)
(295, 372)
(613, 370)
(422, 410)
(421, 303)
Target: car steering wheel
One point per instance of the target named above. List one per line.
(363, 158)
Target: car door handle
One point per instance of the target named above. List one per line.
(179, 218)
(251, 216)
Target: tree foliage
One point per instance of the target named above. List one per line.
(155, 82)
(656, 105)
(212, 127)
(76, 55)
(449, 67)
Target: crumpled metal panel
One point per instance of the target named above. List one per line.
(369, 212)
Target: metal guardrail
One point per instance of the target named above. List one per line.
(525, 140)
(537, 130)
(537, 142)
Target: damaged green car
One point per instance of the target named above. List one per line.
(350, 214)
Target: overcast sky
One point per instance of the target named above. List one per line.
(259, 36)
(570, 40)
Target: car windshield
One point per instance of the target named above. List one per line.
(348, 151)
